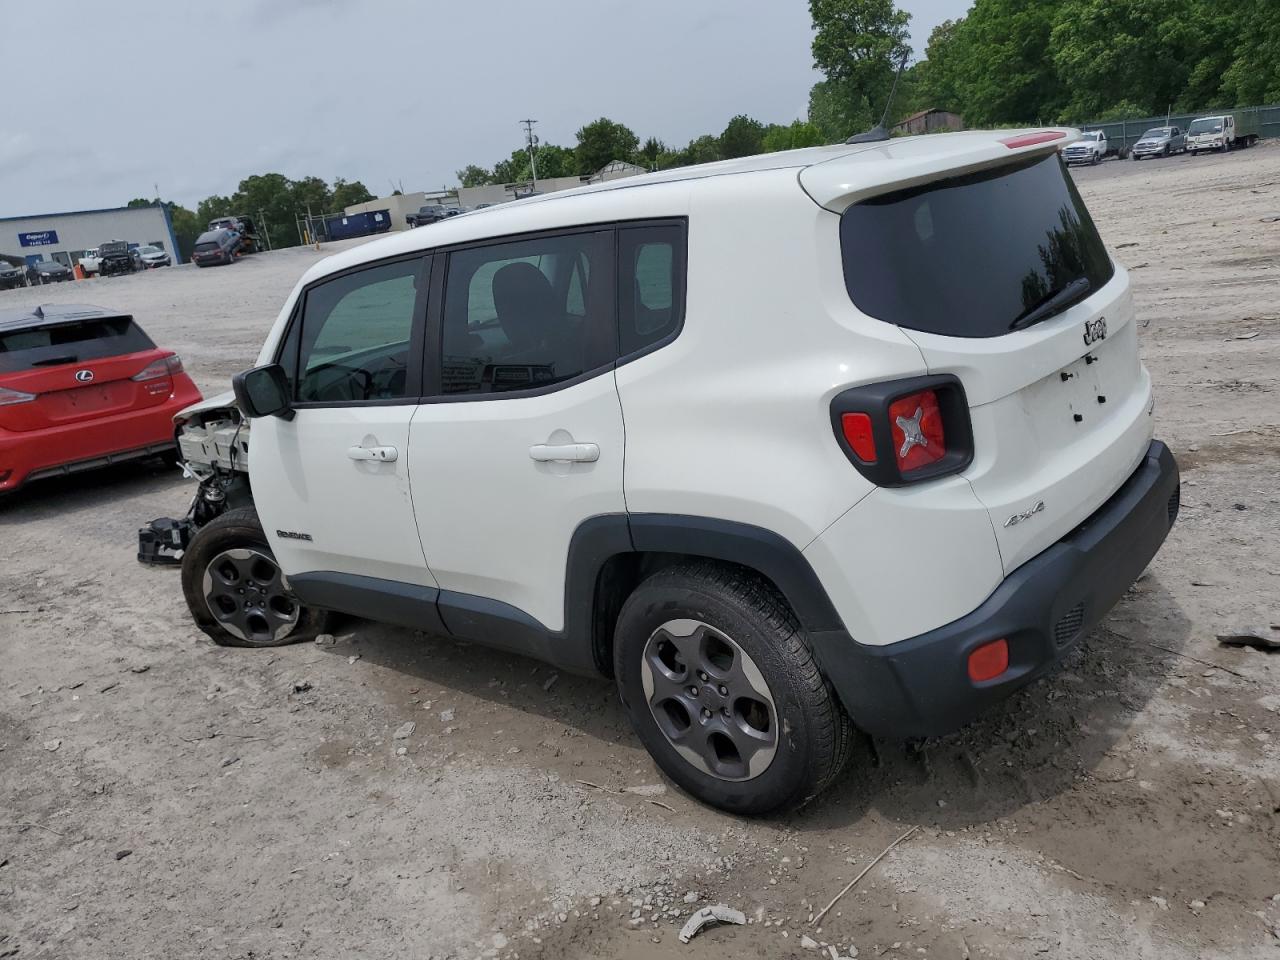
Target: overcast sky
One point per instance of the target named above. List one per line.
(192, 96)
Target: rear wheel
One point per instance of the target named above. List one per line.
(236, 592)
(723, 690)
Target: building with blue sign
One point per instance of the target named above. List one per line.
(66, 236)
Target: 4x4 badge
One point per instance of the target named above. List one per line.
(1095, 330)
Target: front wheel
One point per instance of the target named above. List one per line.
(236, 592)
(724, 692)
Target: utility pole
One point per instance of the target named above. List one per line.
(532, 143)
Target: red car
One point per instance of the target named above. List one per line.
(82, 387)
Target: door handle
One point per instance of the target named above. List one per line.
(385, 454)
(567, 452)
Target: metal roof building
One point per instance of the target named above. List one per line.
(66, 236)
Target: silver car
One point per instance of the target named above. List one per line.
(1159, 142)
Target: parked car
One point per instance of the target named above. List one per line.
(1159, 142)
(948, 478)
(431, 213)
(115, 257)
(152, 256)
(1090, 148)
(81, 387)
(48, 271)
(11, 276)
(1223, 132)
(89, 262)
(214, 247)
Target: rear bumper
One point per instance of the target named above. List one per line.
(921, 687)
(32, 454)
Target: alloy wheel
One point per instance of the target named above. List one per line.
(247, 595)
(710, 700)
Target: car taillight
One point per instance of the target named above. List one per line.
(164, 367)
(915, 423)
(9, 397)
(905, 431)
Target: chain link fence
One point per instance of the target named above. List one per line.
(1123, 134)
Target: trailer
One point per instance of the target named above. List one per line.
(1230, 130)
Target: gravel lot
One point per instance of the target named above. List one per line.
(163, 797)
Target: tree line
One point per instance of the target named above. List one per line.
(1006, 62)
(271, 200)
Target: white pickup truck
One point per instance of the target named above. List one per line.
(1090, 148)
(89, 262)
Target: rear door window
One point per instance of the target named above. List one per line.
(49, 346)
(527, 314)
(971, 256)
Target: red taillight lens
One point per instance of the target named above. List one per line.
(915, 423)
(989, 661)
(158, 369)
(9, 397)
(860, 436)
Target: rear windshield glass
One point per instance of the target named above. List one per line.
(202, 247)
(70, 343)
(972, 256)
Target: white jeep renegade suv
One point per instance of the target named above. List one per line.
(846, 436)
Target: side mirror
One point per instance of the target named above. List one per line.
(263, 392)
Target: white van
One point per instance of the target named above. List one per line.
(846, 435)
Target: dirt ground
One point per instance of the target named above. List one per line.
(163, 797)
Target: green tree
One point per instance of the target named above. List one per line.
(211, 208)
(1254, 74)
(742, 137)
(1005, 70)
(474, 176)
(936, 80)
(349, 194)
(858, 45)
(602, 141)
(792, 136)
(652, 152)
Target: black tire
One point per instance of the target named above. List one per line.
(240, 531)
(812, 736)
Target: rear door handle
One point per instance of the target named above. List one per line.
(385, 454)
(566, 452)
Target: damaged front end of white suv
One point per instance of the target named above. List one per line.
(213, 442)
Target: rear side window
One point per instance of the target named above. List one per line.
(650, 285)
(354, 344)
(70, 343)
(970, 256)
(527, 314)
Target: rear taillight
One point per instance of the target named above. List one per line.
(905, 431)
(915, 423)
(9, 397)
(164, 367)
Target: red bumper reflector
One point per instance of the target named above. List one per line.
(989, 661)
(859, 435)
(1031, 139)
